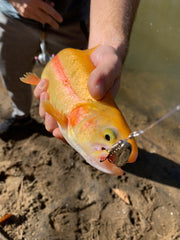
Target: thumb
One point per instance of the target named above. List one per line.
(100, 81)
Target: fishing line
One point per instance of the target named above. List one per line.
(140, 132)
(123, 143)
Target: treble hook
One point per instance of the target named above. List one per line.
(117, 147)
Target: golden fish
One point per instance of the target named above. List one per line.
(91, 127)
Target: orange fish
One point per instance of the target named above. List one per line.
(91, 127)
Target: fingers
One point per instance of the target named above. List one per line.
(49, 10)
(57, 133)
(44, 96)
(44, 18)
(40, 92)
(47, 14)
(106, 75)
(51, 125)
(38, 10)
(101, 80)
(40, 88)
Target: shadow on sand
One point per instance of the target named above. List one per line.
(148, 165)
(23, 132)
(155, 167)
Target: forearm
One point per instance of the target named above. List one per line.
(111, 22)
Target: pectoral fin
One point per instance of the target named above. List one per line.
(54, 112)
(30, 78)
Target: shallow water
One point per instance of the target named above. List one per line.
(150, 83)
(155, 37)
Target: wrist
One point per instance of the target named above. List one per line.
(118, 42)
(120, 49)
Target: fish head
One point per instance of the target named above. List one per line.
(95, 130)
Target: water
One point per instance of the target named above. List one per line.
(156, 37)
(150, 85)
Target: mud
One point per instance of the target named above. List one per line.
(54, 194)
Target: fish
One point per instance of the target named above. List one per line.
(90, 126)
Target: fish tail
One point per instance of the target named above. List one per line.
(30, 78)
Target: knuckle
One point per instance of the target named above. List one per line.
(41, 113)
(25, 10)
(51, 22)
(49, 129)
(36, 93)
(48, 126)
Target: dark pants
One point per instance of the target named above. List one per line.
(19, 43)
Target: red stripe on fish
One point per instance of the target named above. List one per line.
(62, 76)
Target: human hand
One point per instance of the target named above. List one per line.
(106, 75)
(38, 10)
(40, 92)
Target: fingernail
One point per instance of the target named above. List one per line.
(99, 90)
(42, 84)
(43, 97)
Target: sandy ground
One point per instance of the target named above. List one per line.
(54, 194)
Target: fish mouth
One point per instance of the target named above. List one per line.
(122, 156)
(118, 155)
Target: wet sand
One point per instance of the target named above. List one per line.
(54, 194)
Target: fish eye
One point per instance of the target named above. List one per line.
(109, 135)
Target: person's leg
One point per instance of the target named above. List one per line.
(73, 35)
(18, 45)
